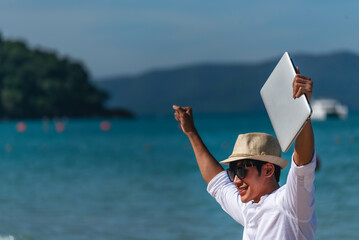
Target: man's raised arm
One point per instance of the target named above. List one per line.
(304, 144)
(208, 165)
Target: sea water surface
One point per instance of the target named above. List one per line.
(139, 180)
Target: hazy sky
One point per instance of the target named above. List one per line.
(115, 37)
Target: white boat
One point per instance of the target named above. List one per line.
(323, 108)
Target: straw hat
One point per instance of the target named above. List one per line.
(257, 146)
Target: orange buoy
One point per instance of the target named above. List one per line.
(105, 126)
(21, 127)
(60, 127)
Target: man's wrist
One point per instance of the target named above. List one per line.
(192, 133)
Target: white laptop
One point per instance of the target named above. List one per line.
(287, 115)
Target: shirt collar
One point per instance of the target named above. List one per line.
(263, 198)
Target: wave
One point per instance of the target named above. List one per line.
(7, 237)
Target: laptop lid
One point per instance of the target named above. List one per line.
(287, 115)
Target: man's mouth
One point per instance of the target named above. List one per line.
(242, 190)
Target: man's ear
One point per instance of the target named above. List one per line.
(268, 170)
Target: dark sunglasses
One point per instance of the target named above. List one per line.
(240, 171)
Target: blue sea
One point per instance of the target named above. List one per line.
(139, 180)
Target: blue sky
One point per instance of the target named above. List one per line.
(128, 37)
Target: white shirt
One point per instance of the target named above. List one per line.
(287, 213)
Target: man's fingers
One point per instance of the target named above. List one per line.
(188, 110)
(298, 84)
(303, 81)
(176, 117)
(303, 90)
(300, 89)
(178, 113)
(178, 108)
(183, 115)
(183, 110)
(300, 76)
(298, 92)
(302, 84)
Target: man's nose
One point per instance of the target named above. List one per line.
(237, 180)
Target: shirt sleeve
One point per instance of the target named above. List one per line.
(226, 194)
(298, 198)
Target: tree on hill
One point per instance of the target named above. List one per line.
(37, 83)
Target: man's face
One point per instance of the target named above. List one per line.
(252, 186)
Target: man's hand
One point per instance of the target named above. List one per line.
(302, 84)
(184, 116)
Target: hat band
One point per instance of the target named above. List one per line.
(248, 155)
(242, 155)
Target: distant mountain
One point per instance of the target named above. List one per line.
(229, 88)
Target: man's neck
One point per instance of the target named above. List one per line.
(271, 187)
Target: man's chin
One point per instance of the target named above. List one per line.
(244, 195)
(244, 199)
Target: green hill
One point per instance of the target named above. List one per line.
(229, 87)
(35, 83)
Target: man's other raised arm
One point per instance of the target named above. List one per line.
(207, 164)
(304, 144)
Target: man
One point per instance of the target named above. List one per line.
(249, 190)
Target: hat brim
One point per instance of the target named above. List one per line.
(281, 162)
